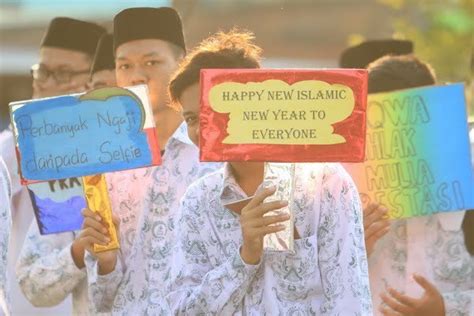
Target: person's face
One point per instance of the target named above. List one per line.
(190, 106)
(150, 62)
(60, 71)
(102, 78)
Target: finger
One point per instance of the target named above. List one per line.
(388, 312)
(382, 232)
(395, 305)
(260, 196)
(377, 215)
(404, 299)
(88, 213)
(384, 211)
(372, 240)
(375, 237)
(264, 208)
(269, 220)
(376, 228)
(262, 231)
(90, 232)
(370, 209)
(89, 241)
(92, 223)
(116, 221)
(425, 284)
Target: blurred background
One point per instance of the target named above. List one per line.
(293, 33)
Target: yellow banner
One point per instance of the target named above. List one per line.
(274, 112)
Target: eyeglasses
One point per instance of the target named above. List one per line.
(41, 73)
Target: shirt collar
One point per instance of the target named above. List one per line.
(180, 135)
(278, 174)
(231, 191)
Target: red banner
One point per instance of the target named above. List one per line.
(283, 115)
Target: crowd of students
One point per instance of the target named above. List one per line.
(182, 251)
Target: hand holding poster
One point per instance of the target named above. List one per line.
(282, 116)
(417, 155)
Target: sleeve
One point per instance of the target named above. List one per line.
(8, 153)
(45, 270)
(5, 231)
(342, 257)
(102, 289)
(198, 286)
(459, 302)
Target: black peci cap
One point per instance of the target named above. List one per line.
(360, 56)
(104, 55)
(73, 34)
(148, 23)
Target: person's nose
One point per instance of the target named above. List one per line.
(44, 88)
(138, 76)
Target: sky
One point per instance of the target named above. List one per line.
(17, 12)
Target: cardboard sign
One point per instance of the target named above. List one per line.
(282, 115)
(418, 159)
(105, 130)
(58, 204)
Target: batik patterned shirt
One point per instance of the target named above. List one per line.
(432, 246)
(325, 275)
(5, 229)
(46, 271)
(135, 287)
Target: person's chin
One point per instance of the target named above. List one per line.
(40, 94)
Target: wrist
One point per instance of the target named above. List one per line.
(248, 256)
(77, 254)
(368, 252)
(106, 266)
(443, 307)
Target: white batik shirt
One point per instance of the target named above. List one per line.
(326, 275)
(46, 271)
(431, 246)
(22, 216)
(5, 229)
(135, 287)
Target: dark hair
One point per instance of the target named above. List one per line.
(468, 228)
(399, 72)
(233, 49)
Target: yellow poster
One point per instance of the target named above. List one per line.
(274, 112)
